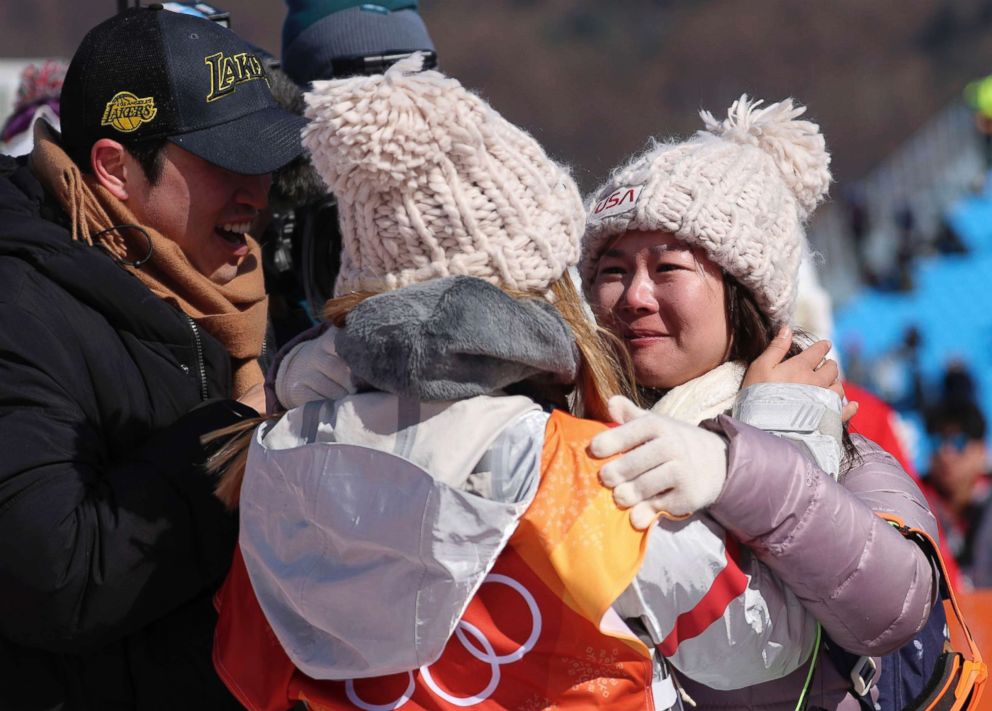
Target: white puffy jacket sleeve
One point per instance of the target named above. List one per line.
(713, 610)
(721, 616)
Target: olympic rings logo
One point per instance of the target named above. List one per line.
(486, 654)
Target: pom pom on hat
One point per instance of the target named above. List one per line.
(740, 190)
(797, 147)
(432, 182)
(371, 129)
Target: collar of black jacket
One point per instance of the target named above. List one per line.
(32, 229)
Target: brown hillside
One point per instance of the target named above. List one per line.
(593, 78)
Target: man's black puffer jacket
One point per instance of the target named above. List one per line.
(111, 543)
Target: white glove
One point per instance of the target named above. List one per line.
(670, 468)
(313, 370)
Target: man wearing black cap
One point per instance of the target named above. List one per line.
(132, 311)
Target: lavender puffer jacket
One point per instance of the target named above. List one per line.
(871, 589)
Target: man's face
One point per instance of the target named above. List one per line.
(203, 208)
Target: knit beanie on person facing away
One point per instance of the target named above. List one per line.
(741, 190)
(432, 182)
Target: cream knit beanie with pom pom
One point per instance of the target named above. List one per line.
(432, 182)
(740, 190)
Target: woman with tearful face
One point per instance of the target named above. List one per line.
(691, 257)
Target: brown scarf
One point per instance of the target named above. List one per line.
(234, 313)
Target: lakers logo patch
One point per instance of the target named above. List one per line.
(126, 112)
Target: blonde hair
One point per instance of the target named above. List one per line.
(604, 370)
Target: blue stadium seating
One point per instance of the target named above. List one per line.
(951, 305)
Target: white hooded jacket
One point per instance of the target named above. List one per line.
(369, 521)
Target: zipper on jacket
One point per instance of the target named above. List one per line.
(199, 358)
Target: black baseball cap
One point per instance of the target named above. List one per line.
(150, 73)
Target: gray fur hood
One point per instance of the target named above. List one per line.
(455, 338)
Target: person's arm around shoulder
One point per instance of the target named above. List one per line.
(870, 588)
(709, 605)
(799, 399)
(780, 505)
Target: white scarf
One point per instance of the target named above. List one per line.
(706, 396)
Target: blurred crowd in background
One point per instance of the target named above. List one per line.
(897, 281)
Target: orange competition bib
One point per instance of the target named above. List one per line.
(539, 633)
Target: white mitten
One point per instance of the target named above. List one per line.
(313, 370)
(670, 467)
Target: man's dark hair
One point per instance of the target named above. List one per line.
(148, 154)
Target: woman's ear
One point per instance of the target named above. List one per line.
(109, 162)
